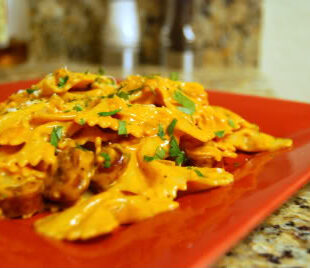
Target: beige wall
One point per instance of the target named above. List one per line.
(285, 53)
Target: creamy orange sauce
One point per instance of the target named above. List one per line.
(114, 153)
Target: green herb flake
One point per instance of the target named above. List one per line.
(30, 90)
(174, 76)
(160, 154)
(174, 147)
(101, 71)
(220, 133)
(78, 108)
(231, 123)
(62, 81)
(122, 94)
(148, 158)
(86, 72)
(107, 160)
(175, 152)
(180, 159)
(125, 95)
(135, 90)
(161, 132)
(122, 130)
(109, 113)
(82, 121)
(110, 96)
(170, 128)
(56, 135)
(188, 106)
(198, 172)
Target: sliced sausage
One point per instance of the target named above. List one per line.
(72, 176)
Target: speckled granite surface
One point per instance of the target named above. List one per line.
(283, 239)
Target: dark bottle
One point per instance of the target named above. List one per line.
(180, 46)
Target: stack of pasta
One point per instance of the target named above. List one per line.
(100, 153)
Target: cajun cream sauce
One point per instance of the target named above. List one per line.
(106, 153)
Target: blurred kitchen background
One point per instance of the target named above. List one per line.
(248, 46)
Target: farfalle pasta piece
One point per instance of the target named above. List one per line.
(84, 220)
(37, 148)
(251, 140)
(15, 127)
(63, 80)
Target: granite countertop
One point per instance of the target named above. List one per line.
(283, 239)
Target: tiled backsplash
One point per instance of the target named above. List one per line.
(228, 29)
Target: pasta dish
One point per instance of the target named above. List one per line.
(98, 153)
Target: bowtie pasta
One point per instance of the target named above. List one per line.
(99, 153)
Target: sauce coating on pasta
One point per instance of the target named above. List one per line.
(106, 153)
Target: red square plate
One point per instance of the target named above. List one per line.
(205, 226)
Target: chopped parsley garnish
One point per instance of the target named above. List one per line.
(66, 111)
(122, 130)
(148, 158)
(170, 128)
(135, 90)
(109, 113)
(30, 90)
(236, 164)
(125, 95)
(231, 123)
(107, 160)
(56, 135)
(86, 72)
(62, 81)
(159, 155)
(220, 133)
(101, 71)
(175, 152)
(82, 121)
(174, 76)
(78, 108)
(188, 106)
(198, 172)
(122, 94)
(161, 132)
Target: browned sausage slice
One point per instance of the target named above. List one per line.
(20, 197)
(72, 176)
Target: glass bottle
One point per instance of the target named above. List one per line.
(180, 46)
(121, 35)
